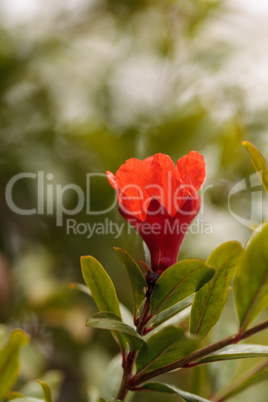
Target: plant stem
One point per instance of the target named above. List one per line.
(128, 367)
(198, 354)
(129, 362)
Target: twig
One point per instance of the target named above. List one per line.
(198, 354)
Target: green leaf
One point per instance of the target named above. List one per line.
(173, 321)
(178, 282)
(46, 390)
(210, 300)
(101, 288)
(54, 378)
(170, 389)
(236, 352)
(170, 312)
(258, 162)
(251, 283)
(100, 284)
(136, 277)
(113, 322)
(125, 313)
(165, 347)
(9, 362)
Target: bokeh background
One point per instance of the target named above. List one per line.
(85, 85)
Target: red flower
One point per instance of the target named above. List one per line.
(160, 201)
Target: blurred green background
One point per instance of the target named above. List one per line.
(85, 85)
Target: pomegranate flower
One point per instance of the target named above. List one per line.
(160, 201)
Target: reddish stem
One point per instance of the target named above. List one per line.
(198, 354)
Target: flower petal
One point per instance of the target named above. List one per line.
(192, 169)
(131, 179)
(165, 182)
(112, 180)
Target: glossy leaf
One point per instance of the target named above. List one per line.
(165, 347)
(172, 321)
(46, 391)
(113, 322)
(170, 312)
(125, 313)
(236, 352)
(100, 284)
(170, 389)
(258, 162)
(136, 277)
(210, 300)
(178, 282)
(101, 288)
(9, 363)
(251, 284)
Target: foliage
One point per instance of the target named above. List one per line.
(9, 366)
(170, 347)
(83, 88)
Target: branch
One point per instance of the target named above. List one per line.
(129, 361)
(198, 354)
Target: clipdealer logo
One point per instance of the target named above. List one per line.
(51, 200)
(50, 197)
(256, 206)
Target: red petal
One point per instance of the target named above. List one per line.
(112, 180)
(131, 179)
(192, 169)
(149, 159)
(136, 182)
(165, 182)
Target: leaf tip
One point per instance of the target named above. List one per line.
(245, 143)
(46, 390)
(20, 337)
(147, 267)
